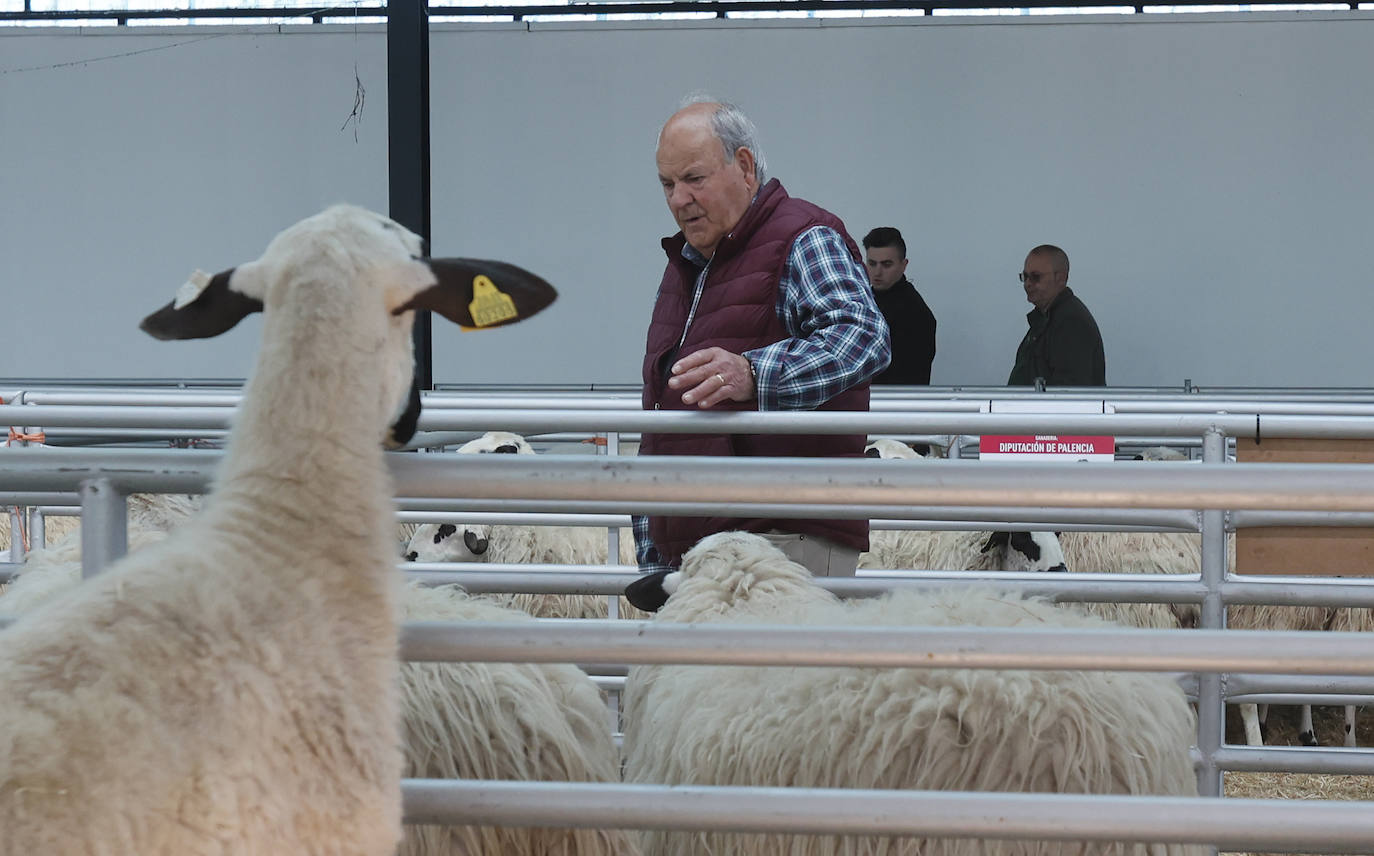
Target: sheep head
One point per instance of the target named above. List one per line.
(498, 442)
(886, 447)
(448, 542)
(464, 542)
(356, 276)
(1027, 551)
(723, 573)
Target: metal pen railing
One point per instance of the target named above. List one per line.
(1210, 497)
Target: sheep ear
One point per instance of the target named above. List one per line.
(995, 540)
(1025, 544)
(205, 306)
(476, 293)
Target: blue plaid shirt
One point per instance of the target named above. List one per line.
(839, 339)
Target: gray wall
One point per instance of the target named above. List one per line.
(1210, 177)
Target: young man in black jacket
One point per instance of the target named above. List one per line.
(909, 319)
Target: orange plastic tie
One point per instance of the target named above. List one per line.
(21, 437)
(595, 441)
(18, 514)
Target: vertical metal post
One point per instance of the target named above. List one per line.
(612, 532)
(613, 603)
(1211, 710)
(104, 526)
(38, 532)
(407, 77)
(16, 534)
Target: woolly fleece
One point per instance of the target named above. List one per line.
(1066, 732)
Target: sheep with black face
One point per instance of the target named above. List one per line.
(523, 544)
(950, 550)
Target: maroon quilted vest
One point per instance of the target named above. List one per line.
(738, 312)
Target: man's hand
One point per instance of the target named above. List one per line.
(712, 375)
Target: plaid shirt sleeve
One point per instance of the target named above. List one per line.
(839, 338)
(646, 554)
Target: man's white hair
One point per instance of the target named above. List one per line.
(732, 128)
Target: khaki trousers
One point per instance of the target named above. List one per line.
(821, 556)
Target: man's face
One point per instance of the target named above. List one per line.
(1041, 281)
(706, 192)
(885, 267)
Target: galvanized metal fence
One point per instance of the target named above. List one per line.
(1210, 496)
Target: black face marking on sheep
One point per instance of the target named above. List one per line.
(647, 592)
(445, 531)
(476, 544)
(507, 449)
(403, 429)
(872, 452)
(412, 556)
(1025, 544)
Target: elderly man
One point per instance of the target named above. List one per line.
(764, 304)
(1063, 345)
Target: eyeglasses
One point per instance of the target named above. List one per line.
(1032, 278)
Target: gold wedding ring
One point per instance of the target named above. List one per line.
(721, 377)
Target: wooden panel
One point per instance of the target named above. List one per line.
(1306, 550)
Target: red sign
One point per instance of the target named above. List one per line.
(1045, 447)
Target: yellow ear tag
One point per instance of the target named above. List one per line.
(489, 305)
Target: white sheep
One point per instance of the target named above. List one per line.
(537, 722)
(948, 729)
(233, 689)
(913, 549)
(1272, 617)
(1181, 553)
(499, 442)
(887, 447)
(433, 545)
(1136, 553)
(516, 544)
(51, 571)
(1140, 553)
(54, 527)
(523, 545)
(529, 722)
(461, 720)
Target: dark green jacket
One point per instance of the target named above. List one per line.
(1063, 346)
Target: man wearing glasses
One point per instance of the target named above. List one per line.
(1063, 346)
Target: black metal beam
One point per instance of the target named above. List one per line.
(719, 8)
(407, 85)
